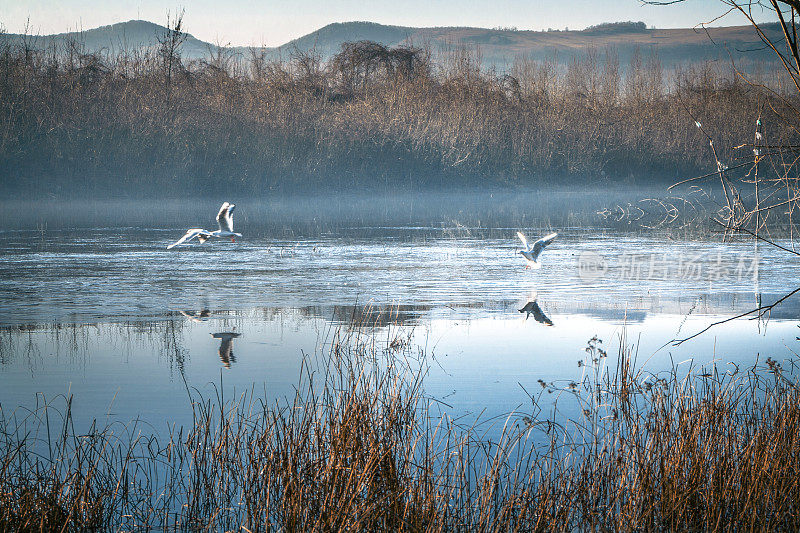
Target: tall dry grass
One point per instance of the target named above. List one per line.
(361, 447)
(146, 121)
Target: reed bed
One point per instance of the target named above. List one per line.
(147, 122)
(361, 447)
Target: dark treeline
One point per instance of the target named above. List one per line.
(148, 122)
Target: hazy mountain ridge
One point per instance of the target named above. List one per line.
(499, 47)
(130, 35)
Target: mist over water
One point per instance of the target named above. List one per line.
(92, 304)
(309, 214)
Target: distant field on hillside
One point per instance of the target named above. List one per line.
(498, 47)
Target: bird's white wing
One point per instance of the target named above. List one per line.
(225, 217)
(523, 239)
(539, 245)
(229, 216)
(190, 234)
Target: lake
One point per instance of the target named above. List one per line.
(97, 308)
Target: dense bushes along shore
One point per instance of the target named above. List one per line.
(147, 122)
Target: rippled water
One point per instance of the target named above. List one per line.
(126, 326)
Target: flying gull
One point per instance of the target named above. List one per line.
(531, 252)
(225, 221)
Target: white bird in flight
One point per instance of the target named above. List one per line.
(225, 221)
(531, 253)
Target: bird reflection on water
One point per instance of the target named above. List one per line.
(532, 308)
(226, 346)
(202, 316)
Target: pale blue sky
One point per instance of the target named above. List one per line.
(243, 22)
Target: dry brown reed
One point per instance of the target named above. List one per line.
(149, 121)
(360, 448)
(754, 176)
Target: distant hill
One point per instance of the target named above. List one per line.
(499, 47)
(134, 34)
(328, 39)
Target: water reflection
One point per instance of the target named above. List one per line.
(532, 308)
(195, 316)
(226, 346)
(376, 316)
(480, 357)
